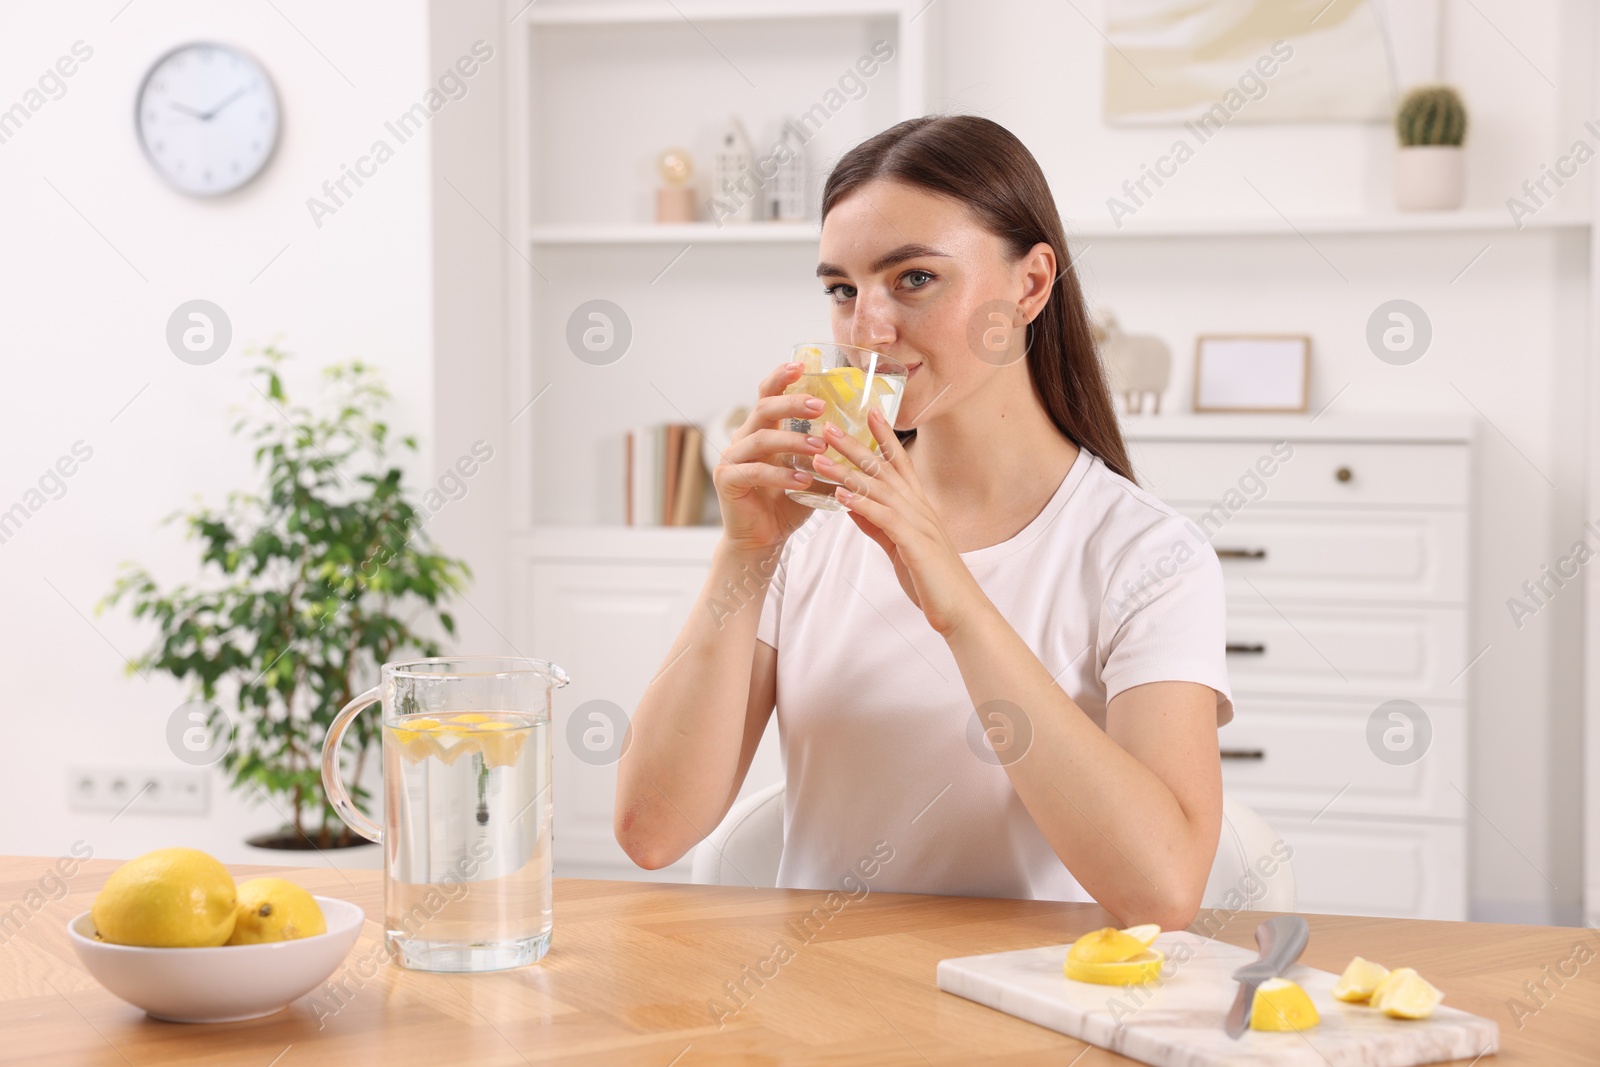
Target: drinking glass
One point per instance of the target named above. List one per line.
(466, 799)
(852, 382)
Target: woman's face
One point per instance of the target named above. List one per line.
(916, 277)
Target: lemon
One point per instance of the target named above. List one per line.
(1411, 996)
(1359, 979)
(169, 898)
(1107, 945)
(811, 360)
(1115, 957)
(1280, 1004)
(271, 909)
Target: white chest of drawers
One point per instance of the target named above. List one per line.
(1345, 547)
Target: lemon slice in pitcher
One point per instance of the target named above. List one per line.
(416, 739)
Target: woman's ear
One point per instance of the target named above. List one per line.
(1038, 272)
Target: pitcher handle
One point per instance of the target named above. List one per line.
(332, 783)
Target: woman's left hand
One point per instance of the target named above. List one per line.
(886, 501)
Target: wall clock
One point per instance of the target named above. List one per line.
(207, 117)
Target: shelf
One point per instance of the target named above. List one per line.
(600, 13)
(1275, 226)
(809, 232)
(676, 233)
(1400, 426)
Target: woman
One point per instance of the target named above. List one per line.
(1000, 671)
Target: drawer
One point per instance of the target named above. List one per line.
(1340, 555)
(1315, 758)
(1351, 867)
(1237, 476)
(1343, 653)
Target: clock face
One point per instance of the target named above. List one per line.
(208, 118)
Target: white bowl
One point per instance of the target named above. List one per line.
(223, 984)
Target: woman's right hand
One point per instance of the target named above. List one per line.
(751, 477)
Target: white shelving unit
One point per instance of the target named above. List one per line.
(1274, 226)
(581, 202)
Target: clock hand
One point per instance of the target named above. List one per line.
(236, 94)
(189, 111)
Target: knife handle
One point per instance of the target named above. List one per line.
(1282, 938)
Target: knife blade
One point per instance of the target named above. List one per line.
(1281, 939)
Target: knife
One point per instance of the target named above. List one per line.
(1281, 940)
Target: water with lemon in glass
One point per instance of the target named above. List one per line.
(851, 394)
(456, 899)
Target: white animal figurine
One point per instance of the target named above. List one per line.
(1137, 365)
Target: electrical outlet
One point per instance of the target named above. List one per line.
(143, 792)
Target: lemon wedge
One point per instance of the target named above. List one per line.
(811, 360)
(1410, 996)
(1359, 980)
(1282, 1005)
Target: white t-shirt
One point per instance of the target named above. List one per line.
(881, 744)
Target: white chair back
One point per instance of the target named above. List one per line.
(1252, 870)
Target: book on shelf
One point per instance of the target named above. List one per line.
(666, 480)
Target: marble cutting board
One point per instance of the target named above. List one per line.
(1176, 1021)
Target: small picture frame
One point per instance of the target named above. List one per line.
(1252, 372)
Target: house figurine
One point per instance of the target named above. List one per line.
(786, 199)
(1138, 366)
(735, 188)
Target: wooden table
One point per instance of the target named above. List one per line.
(635, 968)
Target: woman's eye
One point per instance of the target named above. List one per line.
(912, 275)
(839, 292)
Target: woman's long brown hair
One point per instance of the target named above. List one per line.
(982, 164)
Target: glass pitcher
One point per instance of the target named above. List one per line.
(466, 801)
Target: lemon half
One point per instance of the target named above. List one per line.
(1281, 1005)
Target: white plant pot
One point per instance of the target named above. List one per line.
(1429, 177)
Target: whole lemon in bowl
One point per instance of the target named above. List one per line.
(169, 898)
(272, 909)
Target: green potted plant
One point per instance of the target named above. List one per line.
(1430, 166)
(315, 581)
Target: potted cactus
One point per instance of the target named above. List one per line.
(1430, 167)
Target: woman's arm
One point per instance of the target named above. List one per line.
(698, 724)
(1134, 811)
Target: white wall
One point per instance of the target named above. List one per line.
(82, 333)
(1509, 334)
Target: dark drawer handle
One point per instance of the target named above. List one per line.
(1254, 650)
(1344, 474)
(1243, 753)
(1241, 553)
